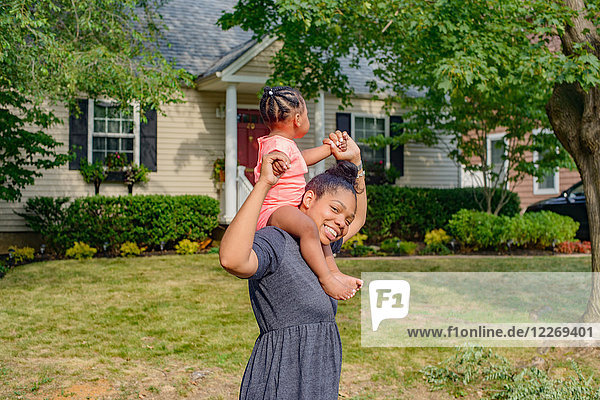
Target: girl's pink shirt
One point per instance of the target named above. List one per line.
(289, 189)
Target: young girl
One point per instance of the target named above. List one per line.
(284, 111)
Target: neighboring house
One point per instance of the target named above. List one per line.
(529, 189)
(218, 119)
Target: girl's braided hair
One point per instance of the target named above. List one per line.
(279, 102)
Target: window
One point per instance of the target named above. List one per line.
(549, 184)
(496, 149)
(366, 127)
(112, 130)
(99, 129)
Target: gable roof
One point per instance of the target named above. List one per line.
(196, 41)
(201, 47)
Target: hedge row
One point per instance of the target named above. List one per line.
(409, 213)
(478, 230)
(146, 220)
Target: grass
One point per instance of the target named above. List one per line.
(125, 328)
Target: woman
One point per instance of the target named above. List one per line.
(298, 354)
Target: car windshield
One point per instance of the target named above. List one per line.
(577, 190)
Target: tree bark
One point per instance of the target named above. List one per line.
(575, 118)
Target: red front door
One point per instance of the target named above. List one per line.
(250, 128)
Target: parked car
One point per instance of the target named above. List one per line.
(571, 202)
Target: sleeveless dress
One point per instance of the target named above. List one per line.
(298, 354)
(288, 191)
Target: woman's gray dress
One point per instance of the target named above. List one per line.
(298, 354)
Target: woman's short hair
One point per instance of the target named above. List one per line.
(340, 176)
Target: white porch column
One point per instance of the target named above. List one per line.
(319, 128)
(230, 153)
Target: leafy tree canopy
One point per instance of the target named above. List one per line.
(56, 51)
(479, 65)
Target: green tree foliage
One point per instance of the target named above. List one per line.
(55, 51)
(476, 65)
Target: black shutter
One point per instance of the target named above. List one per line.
(343, 122)
(78, 133)
(148, 141)
(397, 154)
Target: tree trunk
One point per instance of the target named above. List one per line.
(97, 186)
(575, 118)
(130, 188)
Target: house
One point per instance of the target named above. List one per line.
(218, 119)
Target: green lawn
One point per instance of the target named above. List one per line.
(125, 328)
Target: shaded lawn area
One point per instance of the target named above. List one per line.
(172, 327)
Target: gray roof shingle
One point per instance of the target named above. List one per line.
(201, 47)
(196, 41)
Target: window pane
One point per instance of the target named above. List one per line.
(369, 124)
(113, 127)
(99, 126)
(113, 112)
(497, 151)
(127, 127)
(99, 111)
(359, 123)
(127, 144)
(380, 126)
(129, 157)
(127, 113)
(112, 144)
(99, 143)
(97, 156)
(548, 182)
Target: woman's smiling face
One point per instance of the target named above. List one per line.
(332, 213)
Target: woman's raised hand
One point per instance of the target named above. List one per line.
(351, 152)
(273, 166)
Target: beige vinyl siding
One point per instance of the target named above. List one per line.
(423, 166)
(429, 166)
(190, 137)
(259, 65)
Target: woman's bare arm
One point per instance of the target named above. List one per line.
(352, 154)
(235, 253)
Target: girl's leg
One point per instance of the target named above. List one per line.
(299, 225)
(348, 280)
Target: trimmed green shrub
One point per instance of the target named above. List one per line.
(397, 246)
(436, 248)
(436, 237)
(358, 239)
(22, 254)
(186, 246)
(47, 216)
(542, 229)
(81, 251)
(3, 269)
(408, 213)
(146, 220)
(390, 245)
(407, 248)
(361, 250)
(478, 230)
(130, 249)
